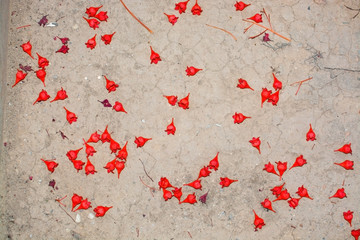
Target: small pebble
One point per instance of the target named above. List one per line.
(77, 218)
(91, 216)
(75, 26)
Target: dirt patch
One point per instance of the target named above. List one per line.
(324, 45)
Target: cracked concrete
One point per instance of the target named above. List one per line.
(324, 45)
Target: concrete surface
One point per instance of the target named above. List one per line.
(4, 17)
(324, 45)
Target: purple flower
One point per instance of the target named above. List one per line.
(106, 103)
(266, 38)
(43, 21)
(203, 197)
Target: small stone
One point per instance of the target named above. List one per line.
(91, 216)
(75, 26)
(99, 77)
(77, 218)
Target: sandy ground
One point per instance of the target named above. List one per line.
(324, 45)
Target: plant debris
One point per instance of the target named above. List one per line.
(52, 183)
(203, 198)
(43, 21)
(105, 103)
(25, 68)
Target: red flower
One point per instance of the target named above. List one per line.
(294, 202)
(241, 6)
(154, 57)
(172, 18)
(167, 194)
(177, 193)
(181, 6)
(164, 183)
(93, 23)
(119, 107)
(51, 165)
(340, 193)
(89, 167)
(267, 204)
(191, 71)
(41, 74)
(102, 16)
(42, 62)
(191, 198)
(184, 103)
(27, 48)
(170, 129)
(70, 116)
(195, 184)
(347, 164)
(310, 135)
(255, 142)
(277, 85)
(274, 98)
(258, 221)
(91, 11)
(61, 95)
(239, 117)
(91, 43)
(196, 9)
(300, 161)
(107, 38)
(171, 99)
(101, 210)
(345, 149)
(43, 96)
(348, 216)
(140, 141)
(110, 85)
(243, 84)
(256, 18)
(225, 182)
(20, 75)
(270, 168)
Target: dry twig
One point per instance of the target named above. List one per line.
(67, 213)
(23, 26)
(145, 170)
(152, 190)
(358, 10)
(60, 199)
(262, 26)
(300, 83)
(223, 31)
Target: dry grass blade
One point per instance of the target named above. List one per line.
(223, 31)
(136, 17)
(300, 83)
